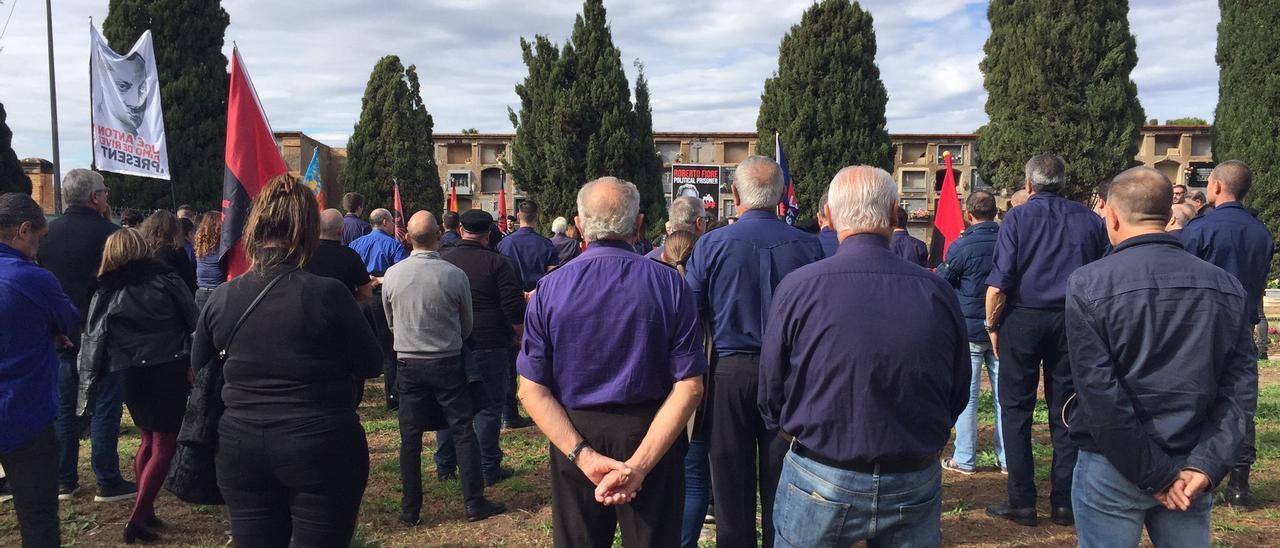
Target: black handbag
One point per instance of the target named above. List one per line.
(192, 475)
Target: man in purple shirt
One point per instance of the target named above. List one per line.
(865, 367)
(1040, 244)
(611, 368)
(685, 213)
(352, 225)
(907, 246)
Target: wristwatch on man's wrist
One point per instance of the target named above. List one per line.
(573, 455)
(990, 328)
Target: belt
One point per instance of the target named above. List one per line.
(883, 466)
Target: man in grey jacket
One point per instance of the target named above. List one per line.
(428, 306)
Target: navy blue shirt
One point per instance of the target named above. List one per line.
(1235, 241)
(830, 240)
(209, 271)
(734, 269)
(530, 253)
(909, 247)
(865, 356)
(450, 238)
(354, 227)
(379, 251)
(566, 248)
(967, 265)
(1040, 244)
(1162, 360)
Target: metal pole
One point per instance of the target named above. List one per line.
(53, 114)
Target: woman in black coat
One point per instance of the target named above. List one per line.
(163, 234)
(292, 459)
(139, 327)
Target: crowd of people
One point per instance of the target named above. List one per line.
(824, 372)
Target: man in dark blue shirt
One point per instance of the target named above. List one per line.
(733, 271)
(1235, 241)
(532, 254)
(907, 246)
(451, 236)
(1161, 402)
(1039, 245)
(352, 225)
(865, 367)
(967, 264)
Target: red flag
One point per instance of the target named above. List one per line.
(948, 223)
(400, 220)
(502, 203)
(251, 160)
(453, 196)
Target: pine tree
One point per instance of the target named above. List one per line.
(826, 99)
(12, 179)
(1247, 121)
(1057, 79)
(188, 38)
(393, 141)
(577, 122)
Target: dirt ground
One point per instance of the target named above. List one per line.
(86, 523)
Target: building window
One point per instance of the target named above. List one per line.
(491, 180)
(914, 181)
(735, 153)
(957, 154)
(669, 151)
(459, 153)
(461, 181)
(1201, 145)
(913, 153)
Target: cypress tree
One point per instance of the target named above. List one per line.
(393, 140)
(12, 179)
(826, 99)
(1247, 120)
(577, 122)
(648, 168)
(188, 38)
(1057, 80)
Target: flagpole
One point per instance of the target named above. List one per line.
(53, 113)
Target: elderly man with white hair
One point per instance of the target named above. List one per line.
(685, 213)
(865, 368)
(733, 271)
(611, 370)
(566, 248)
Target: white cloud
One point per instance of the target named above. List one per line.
(706, 60)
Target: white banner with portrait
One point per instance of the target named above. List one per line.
(128, 122)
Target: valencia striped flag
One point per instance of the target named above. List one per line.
(948, 223)
(252, 159)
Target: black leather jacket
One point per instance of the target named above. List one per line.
(142, 315)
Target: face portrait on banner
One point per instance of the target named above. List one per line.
(128, 121)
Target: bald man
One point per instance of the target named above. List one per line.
(379, 250)
(1158, 413)
(1018, 198)
(428, 307)
(334, 260)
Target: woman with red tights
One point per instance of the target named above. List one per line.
(139, 327)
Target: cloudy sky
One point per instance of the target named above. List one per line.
(706, 60)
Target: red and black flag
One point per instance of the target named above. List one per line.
(948, 223)
(252, 159)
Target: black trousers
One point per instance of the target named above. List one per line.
(1028, 339)
(652, 519)
(744, 454)
(430, 387)
(32, 473)
(293, 482)
(377, 317)
(511, 407)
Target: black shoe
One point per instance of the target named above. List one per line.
(498, 476)
(410, 520)
(126, 490)
(1062, 515)
(134, 532)
(517, 423)
(1237, 493)
(1020, 516)
(484, 510)
(5, 494)
(66, 492)
(446, 475)
(153, 523)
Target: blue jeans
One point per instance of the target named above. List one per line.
(818, 505)
(697, 492)
(966, 455)
(104, 427)
(492, 366)
(1111, 511)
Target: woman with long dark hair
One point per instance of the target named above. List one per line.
(140, 324)
(292, 458)
(163, 234)
(209, 270)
